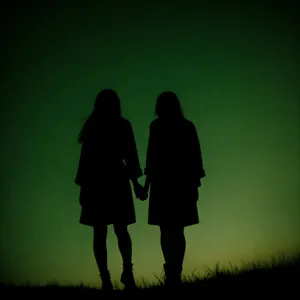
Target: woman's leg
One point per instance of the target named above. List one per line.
(166, 243)
(99, 245)
(100, 252)
(125, 247)
(181, 245)
(173, 247)
(124, 242)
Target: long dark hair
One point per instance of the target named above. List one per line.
(107, 107)
(168, 106)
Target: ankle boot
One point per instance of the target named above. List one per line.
(172, 275)
(127, 277)
(106, 282)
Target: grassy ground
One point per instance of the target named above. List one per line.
(280, 277)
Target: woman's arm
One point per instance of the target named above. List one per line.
(149, 159)
(131, 157)
(147, 183)
(135, 181)
(196, 155)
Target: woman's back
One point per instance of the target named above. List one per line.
(173, 165)
(105, 141)
(176, 149)
(108, 160)
(104, 150)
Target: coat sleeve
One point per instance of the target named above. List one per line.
(78, 177)
(131, 154)
(150, 153)
(198, 170)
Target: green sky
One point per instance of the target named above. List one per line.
(236, 71)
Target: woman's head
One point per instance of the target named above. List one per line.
(106, 107)
(168, 105)
(107, 104)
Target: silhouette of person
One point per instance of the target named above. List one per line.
(173, 172)
(108, 161)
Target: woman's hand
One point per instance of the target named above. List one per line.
(140, 192)
(144, 194)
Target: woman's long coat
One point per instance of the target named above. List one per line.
(174, 166)
(108, 160)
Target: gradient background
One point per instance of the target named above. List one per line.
(236, 70)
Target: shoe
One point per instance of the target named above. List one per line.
(172, 276)
(106, 282)
(127, 277)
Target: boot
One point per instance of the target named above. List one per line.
(127, 277)
(172, 276)
(106, 282)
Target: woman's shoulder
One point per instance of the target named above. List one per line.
(125, 126)
(188, 123)
(125, 123)
(182, 122)
(154, 123)
(155, 126)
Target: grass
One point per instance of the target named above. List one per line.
(278, 277)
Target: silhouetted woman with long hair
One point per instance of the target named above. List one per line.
(108, 161)
(173, 171)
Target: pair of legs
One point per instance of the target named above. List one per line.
(99, 245)
(173, 245)
(172, 241)
(100, 252)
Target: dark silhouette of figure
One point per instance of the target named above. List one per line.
(107, 163)
(173, 171)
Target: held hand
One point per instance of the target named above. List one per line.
(140, 192)
(144, 194)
